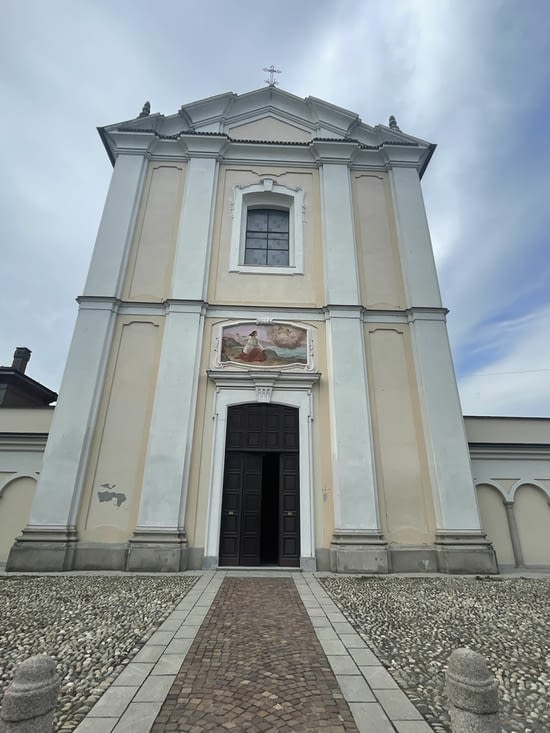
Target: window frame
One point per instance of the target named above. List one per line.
(268, 195)
(251, 235)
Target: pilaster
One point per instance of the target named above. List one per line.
(514, 534)
(460, 542)
(357, 542)
(116, 228)
(339, 252)
(57, 499)
(456, 510)
(159, 539)
(48, 541)
(413, 239)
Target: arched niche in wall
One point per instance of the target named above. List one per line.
(16, 496)
(495, 522)
(532, 511)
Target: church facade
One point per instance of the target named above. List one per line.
(260, 371)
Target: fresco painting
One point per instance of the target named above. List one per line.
(278, 344)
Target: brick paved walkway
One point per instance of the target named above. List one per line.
(255, 665)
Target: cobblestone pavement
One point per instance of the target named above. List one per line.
(414, 623)
(91, 624)
(257, 665)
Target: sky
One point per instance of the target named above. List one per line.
(472, 76)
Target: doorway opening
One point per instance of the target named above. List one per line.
(269, 525)
(260, 506)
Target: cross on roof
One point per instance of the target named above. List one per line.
(271, 70)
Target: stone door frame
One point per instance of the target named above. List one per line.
(283, 389)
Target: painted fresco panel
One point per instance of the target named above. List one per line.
(273, 345)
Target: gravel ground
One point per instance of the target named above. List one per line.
(91, 625)
(415, 623)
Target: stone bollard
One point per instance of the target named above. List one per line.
(29, 701)
(473, 694)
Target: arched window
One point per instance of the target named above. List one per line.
(267, 234)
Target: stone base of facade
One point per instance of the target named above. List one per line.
(195, 557)
(157, 551)
(43, 550)
(413, 559)
(465, 553)
(354, 551)
(166, 551)
(100, 556)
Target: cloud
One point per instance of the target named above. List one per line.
(516, 381)
(471, 76)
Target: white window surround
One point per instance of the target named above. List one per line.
(268, 194)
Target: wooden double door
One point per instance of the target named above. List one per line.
(261, 498)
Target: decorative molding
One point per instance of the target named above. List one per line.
(14, 477)
(264, 392)
(23, 442)
(232, 363)
(272, 379)
(267, 193)
(288, 389)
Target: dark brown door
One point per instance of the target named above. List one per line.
(289, 511)
(260, 506)
(241, 509)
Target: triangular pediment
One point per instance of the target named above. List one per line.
(268, 114)
(269, 128)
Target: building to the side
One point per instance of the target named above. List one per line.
(25, 418)
(260, 370)
(511, 469)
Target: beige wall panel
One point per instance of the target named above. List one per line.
(269, 128)
(25, 419)
(237, 288)
(402, 477)
(150, 266)
(122, 435)
(379, 271)
(495, 523)
(533, 519)
(15, 507)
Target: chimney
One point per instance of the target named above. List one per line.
(21, 356)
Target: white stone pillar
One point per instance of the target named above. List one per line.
(357, 542)
(460, 541)
(413, 238)
(116, 228)
(192, 261)
(51, 532)
(159, 540)
(340, 258)
(448, 455)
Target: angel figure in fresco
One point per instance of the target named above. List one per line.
(252, 350)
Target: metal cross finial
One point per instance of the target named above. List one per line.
(271, 70)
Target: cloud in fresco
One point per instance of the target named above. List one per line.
(473, 77)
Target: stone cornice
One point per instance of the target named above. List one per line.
(34, 442)
(202, 128)
(319, 151)
(510, 451)
(269, 379)
(214, 310)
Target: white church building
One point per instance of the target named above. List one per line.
(260, 371)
